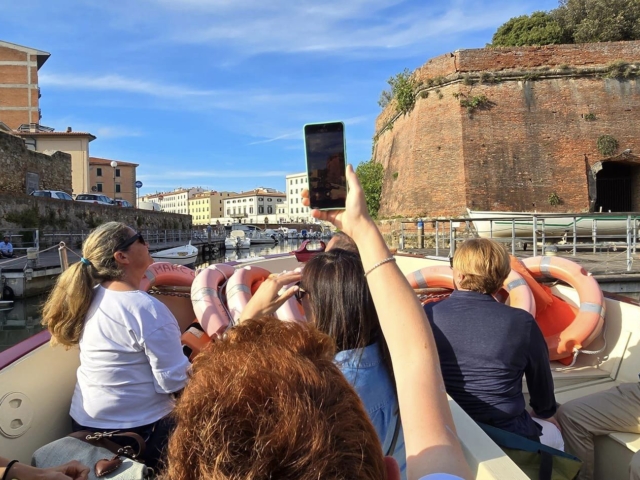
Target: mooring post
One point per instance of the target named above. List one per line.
(629, 233)
(62, 253)
(420, 233)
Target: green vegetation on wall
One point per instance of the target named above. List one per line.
(607, 145)
(402, 89)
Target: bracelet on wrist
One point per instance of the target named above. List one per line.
(5, 475)
(382, 262)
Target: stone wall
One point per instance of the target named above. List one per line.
(529, 141)
(47, 214)
(54, 171)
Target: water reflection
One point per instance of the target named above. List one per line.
(284, 246)
(20, 321)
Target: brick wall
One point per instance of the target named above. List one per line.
(51, 214)
(530, 142)
(15, 161)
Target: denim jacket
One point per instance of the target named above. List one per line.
(366, 372)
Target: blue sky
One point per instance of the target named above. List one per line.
(214, 93)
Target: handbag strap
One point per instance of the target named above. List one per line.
(103, 439)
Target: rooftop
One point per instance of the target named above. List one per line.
(41, 55)
(106, 161)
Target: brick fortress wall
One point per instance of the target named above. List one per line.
(16, 161)
(528, 142)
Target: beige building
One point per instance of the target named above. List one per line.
(118, 182)
(207, 207)
(176, 201)
(296, 212)
(255, 206)
(19, 91)
(45, 140)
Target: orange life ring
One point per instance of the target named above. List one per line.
(194, 340)
(206, 301)
(565, 331)
(244, 283)
(165, 273)
(520, 295)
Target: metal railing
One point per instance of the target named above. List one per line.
(23, 238)
(544, 233)
(152, 237)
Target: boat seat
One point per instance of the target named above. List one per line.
(629, 440)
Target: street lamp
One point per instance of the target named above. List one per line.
(114, 164)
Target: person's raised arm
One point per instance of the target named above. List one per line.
(429, 433)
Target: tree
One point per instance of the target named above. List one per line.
(370, 175)
(403, 87)
(540, 28)
(574, 21)
(587, 21)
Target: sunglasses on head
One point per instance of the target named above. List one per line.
(130, 241)
(301, 293)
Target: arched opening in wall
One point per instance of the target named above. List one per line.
(618, 187)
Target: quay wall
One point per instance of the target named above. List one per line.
(534, 137)
(47, 214)
(53, 171)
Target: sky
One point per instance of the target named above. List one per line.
(215, 93)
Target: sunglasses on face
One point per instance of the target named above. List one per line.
(130, 241)
(301, 293)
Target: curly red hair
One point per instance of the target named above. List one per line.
(268, 402)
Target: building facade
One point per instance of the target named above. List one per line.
(19, 91)
(118, 182)
(254, 207)
(45, 140)
(176, 201)
(207, 208)
(295, 211)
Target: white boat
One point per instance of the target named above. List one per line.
(507, 224)
(237, 240)
(40, 379)
(184, 255)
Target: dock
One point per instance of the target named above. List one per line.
(28, 277)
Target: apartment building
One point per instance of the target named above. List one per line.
(44, 139)
(115, 182)
(19, 91)
(296, 212)
(207, 207)
(176, 201)
(255, 206)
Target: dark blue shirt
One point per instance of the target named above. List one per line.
(485, 348)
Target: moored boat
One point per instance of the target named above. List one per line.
(489, 224)
(237, 240)
(183, 255)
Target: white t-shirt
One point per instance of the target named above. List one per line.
(130, 361)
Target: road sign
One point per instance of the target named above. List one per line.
(138, 184)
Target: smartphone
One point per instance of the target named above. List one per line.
(326, 165)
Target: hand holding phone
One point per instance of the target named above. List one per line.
(326, 165)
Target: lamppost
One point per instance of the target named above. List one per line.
(114, 164)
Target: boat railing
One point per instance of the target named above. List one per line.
(594, 233)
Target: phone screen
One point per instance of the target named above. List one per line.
(326, 167)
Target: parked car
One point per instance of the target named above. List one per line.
(57, 194)
(123, 203)
(94, 198)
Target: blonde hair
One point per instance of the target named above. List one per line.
(67, 305)
(484, 263)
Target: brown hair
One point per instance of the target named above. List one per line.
(69, 301)
(268, 402)
(484, 263)
(343, 241)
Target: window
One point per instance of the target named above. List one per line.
(117, 172)
(296, 210)
(292, 210)
(291, 182)
(269, 209)
(99, 172)
(117, 188)
(296, 181)
(99, 187)
(250, 209)
(260, 209)
(261, 199)
(269, 200)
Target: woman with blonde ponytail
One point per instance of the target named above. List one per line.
(131, 360)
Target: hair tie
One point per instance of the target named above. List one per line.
(84, 261)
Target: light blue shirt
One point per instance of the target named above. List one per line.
(6, 248)
(366, 371)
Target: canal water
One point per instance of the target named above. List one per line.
(23, 319)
